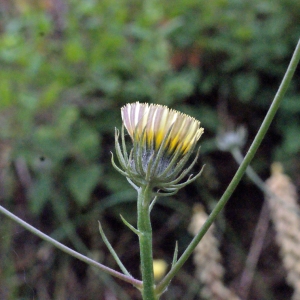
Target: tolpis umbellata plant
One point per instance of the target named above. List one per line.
(157, 165)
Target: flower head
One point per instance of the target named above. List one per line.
(163, 140)
(154, 123)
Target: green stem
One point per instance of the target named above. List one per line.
(145, 239)
(238, 156)
(240, 172)
(135, 282)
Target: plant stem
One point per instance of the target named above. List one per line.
(240, 172)
(145, 240)
(133, 281)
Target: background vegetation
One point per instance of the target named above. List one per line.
(67, 67)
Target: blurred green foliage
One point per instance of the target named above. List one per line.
(68, 66)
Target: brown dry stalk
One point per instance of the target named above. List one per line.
(285, 214)
(207, 258)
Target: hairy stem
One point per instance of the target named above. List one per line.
(145, 239)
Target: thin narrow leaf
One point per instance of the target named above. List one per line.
(175, 256)
(112, 251)
(152, 203)
(132, 228)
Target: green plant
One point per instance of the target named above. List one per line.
(145, 176)
(66, 69)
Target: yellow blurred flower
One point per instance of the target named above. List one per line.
(159, 268)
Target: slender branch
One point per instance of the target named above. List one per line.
(238, 156)
(62, 247)
(240, 172)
